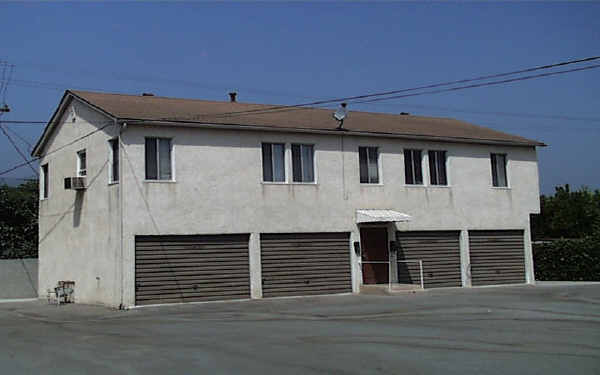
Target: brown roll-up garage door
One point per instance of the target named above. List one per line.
(191, 268)
(297, 264)
(497, 257)
(440, 253)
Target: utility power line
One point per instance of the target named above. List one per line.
(381, 96)
(475, 85)
(19, 136)
(393, 92)
(120, 76)
(57, 149)
(498, 113)
(18, 149)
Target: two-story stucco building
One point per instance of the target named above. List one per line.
(189, 200)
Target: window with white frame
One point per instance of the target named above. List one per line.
(273, 162)
(302, 163)
(499, 170)
(113, 145)
(368, 159)
(437, 168)
(413, 172)
(158, 159)
(81, 163)
(45, 181)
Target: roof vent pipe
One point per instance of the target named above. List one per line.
(232, 96)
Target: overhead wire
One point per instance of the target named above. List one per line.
(108, 123)
(476, 85)
(496, 113)
(19, 136)
(7, 82)
(18, 149)
(278, 109)
(386, 95)
(120, 76)
(393, 92)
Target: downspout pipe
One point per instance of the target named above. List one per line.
(121, 128)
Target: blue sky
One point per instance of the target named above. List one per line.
(286, 53)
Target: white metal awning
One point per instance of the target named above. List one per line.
(372, 216)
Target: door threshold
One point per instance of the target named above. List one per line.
(385, 290)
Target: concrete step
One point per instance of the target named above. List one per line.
(384, 289)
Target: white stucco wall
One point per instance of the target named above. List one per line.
(218, 188)
(79, 232)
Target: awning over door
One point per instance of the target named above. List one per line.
(372, 216)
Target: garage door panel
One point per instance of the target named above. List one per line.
(293, 263)
(218, 295)
(188, 255)
(186, 268)
(305, 264)
(193, 281)
(438, 250)
(497, 257)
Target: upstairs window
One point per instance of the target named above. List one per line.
(369, 167)
(412, 167)
(273, 162)
(302, 163)
(45, 181)
(437, 168)
(81, 164)
(114, 160)
(499, 170)
(158, 159)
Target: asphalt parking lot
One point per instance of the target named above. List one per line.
(550, 329)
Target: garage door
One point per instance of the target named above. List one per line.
(497, 257)
(305, 264)
(191, 268)
(440, 253)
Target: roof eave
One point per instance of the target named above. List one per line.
(333, 131)
(49, 128)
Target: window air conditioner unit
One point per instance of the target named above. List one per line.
(75, 183)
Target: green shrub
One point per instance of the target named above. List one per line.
(19, 221)
(568, 260)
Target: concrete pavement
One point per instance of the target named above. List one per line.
(547, 329)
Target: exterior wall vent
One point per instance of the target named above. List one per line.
(75, 183)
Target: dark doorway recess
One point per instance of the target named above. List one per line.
(374, 244)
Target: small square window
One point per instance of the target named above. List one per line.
(499, 170)
(81, 163)
(368, 159)
(413, 172)
(158, 159)
(273, 162)
(437, 168)
(302, 163)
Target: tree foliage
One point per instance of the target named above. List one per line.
(572, 218)
(567, 214)
(19, 220)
